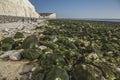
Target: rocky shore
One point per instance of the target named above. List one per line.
(60, 50)
(12, 66)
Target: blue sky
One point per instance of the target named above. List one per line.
(80, 8)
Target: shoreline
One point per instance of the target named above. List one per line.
(90, 19)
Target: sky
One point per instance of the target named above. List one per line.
(79, 8)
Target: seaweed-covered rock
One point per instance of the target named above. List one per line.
(47, 51)
(19, 35)
(17, 44)
(7, 44)
(71, 57)
(49, 60)
(57, 74)
(38, 74)
(30, 42)
(6, 47)
(66, 42)
(85, 72)
(8, 40)
(108, 70)
(78, 44)
(31, 54)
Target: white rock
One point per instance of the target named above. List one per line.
(93, 56)
(17, 8)
(103, 78)
(27, 31)
(6, 29)
(16, 55)
(13, 54)
(55, 39)
(118, 70)
(20, 27)
(33, 69)
(6, 54)
(42, 47)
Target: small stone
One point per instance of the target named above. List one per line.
(27, 31)
(42, 47)
(118, 70)
(20, 27)
(1, 37)
(55, 39)
(93, 56)
(33, 69)
(86, 43)
(6, 29)
(16, 55)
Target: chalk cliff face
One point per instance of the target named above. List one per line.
(17, 8)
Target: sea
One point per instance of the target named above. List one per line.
(94, 19)
(107, 20)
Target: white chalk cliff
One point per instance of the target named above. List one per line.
(21, 8)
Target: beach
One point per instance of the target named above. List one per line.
(85, 49)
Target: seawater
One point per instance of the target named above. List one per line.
(93, 19)
(107, 20)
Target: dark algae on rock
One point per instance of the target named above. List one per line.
(30, 42)
(7, 44)
(31, 54)
(19, 35)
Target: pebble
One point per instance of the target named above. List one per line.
(42, 47)
(93, 56)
